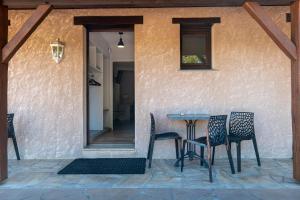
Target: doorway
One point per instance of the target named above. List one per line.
(110, 91)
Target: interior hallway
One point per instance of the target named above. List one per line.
(123, 133)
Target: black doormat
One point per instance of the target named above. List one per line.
(105, 166)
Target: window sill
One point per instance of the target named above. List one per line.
(195, 67)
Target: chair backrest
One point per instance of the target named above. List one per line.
(152, 131)
(241, 124)
(10, 125)
(217, 129)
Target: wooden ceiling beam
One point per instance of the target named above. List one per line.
(71, 4)
(266, 22)
(37, 17)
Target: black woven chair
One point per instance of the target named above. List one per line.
(241, 127)
(217, 136)
(162, 136)
(11, 133)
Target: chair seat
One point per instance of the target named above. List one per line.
(167, 135)
(203, 140)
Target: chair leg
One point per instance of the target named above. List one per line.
(149, 147)
(228, 149)
(201, 155)
(256, 151)
(151, 152)
(238, 150)
(210, 173)
(209, 168)
(176, 148)
(213, 156)
(180, 145)
(182, 155)
(16, 147)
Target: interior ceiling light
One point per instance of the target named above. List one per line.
(121, 43)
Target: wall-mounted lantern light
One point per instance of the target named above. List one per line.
(57, 49)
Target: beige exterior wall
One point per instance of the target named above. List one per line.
(250, 74)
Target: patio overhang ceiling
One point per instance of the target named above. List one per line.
(71, 4)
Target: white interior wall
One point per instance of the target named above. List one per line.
(107, 42)
(119, 54)
(95, 73)
(97, 40)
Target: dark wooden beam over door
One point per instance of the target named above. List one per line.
(113, 28)
(295, 75)
(107, 20)
(3, 93)
(265, 21)
(108, 23)
(24, 33)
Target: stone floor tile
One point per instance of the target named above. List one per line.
(42, 174)
(131, 194)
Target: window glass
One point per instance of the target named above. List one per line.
(194, 49)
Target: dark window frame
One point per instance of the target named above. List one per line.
(201, 27)
(201, 31)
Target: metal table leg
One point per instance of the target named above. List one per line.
(190, 135)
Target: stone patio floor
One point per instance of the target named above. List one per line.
(38, 179)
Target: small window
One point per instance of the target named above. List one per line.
(195, 42)
(195, 48)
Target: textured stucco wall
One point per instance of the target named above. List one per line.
(251, 74)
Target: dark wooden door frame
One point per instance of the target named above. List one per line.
(87, 86)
